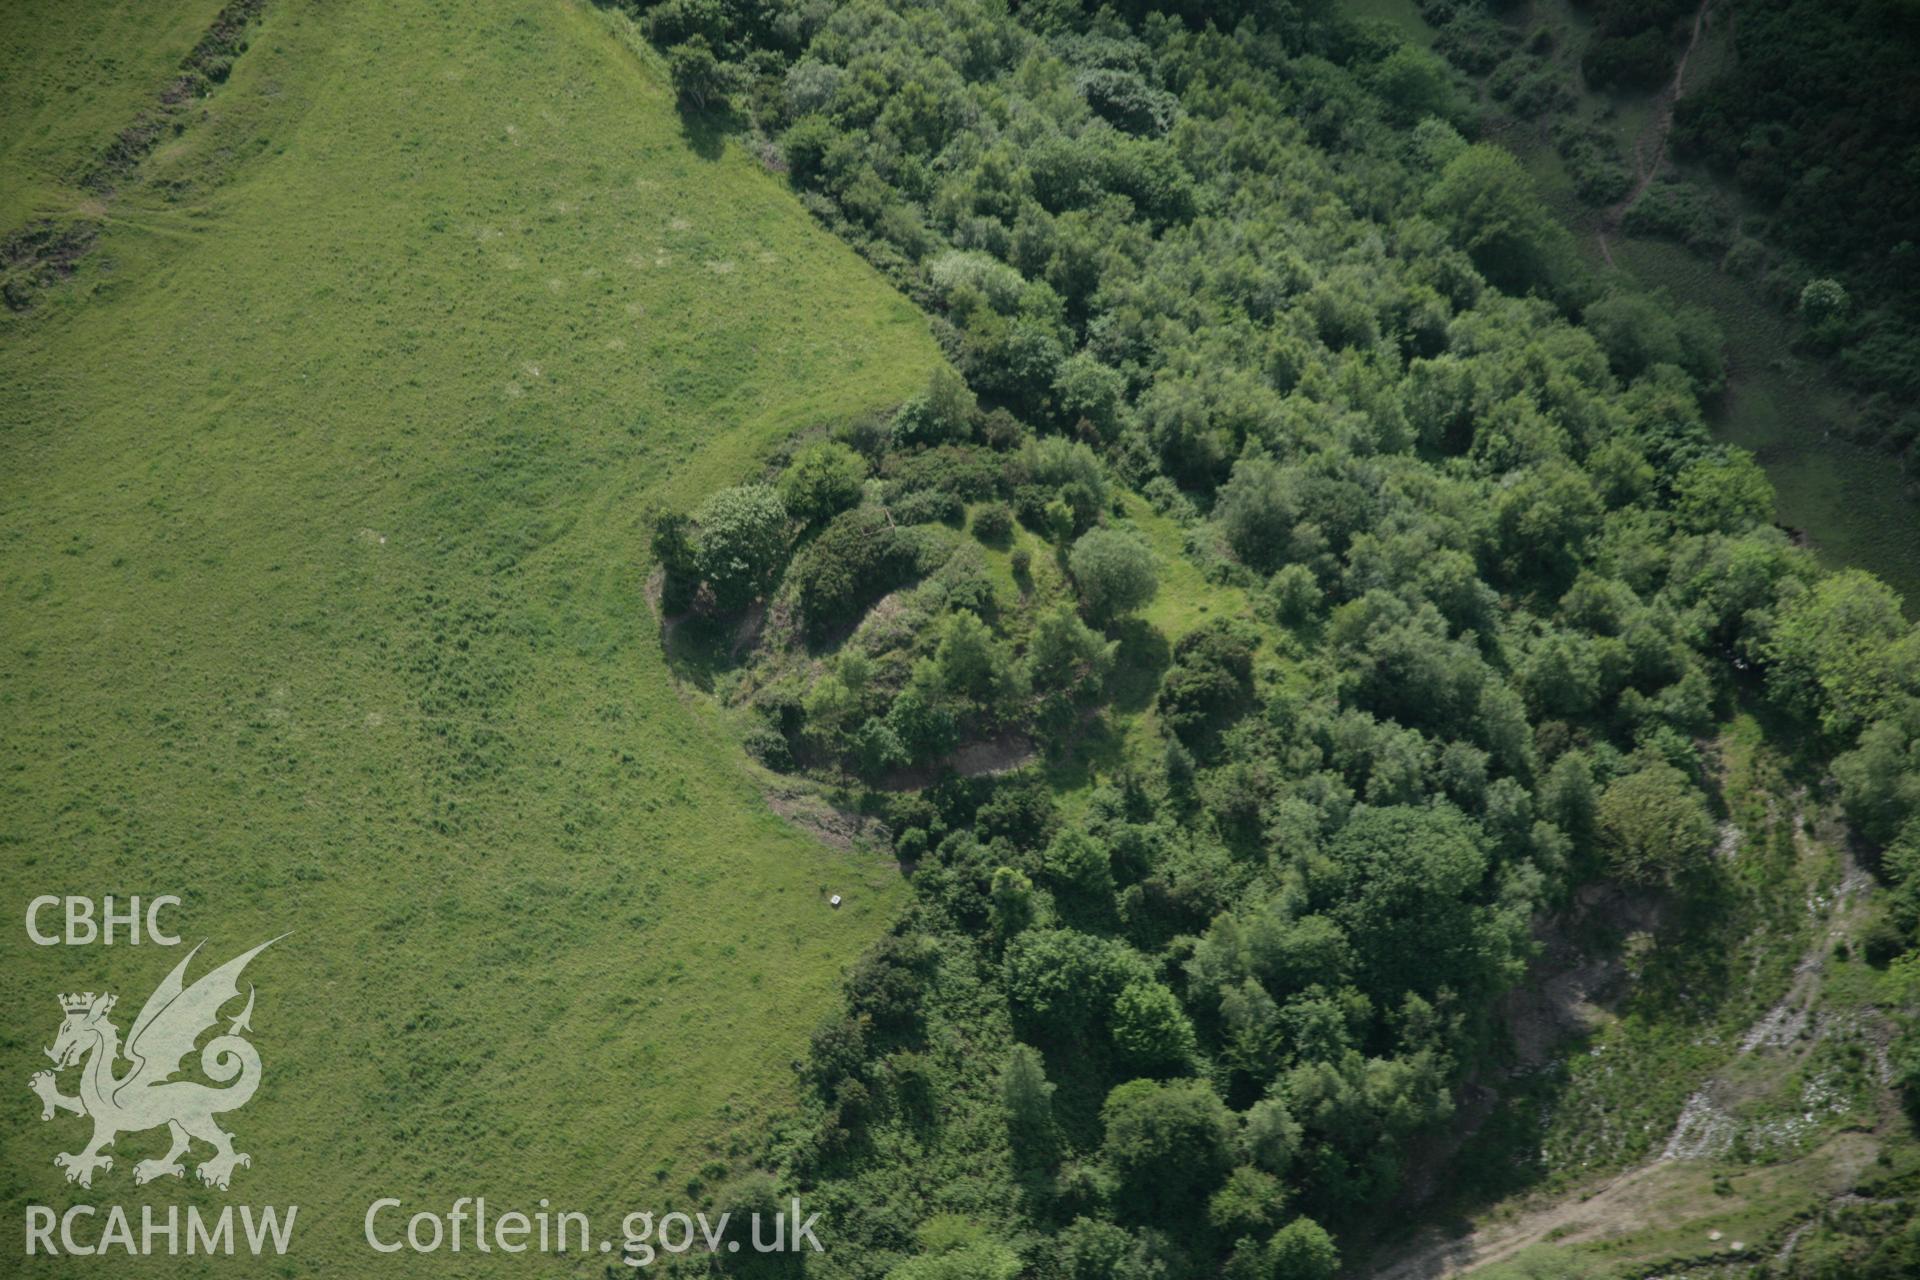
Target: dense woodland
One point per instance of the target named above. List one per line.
(1807, 125)
(1818, 122)
(1232, 284)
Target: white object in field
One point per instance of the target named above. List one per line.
(834, 901)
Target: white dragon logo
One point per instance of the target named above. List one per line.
(172, 1020)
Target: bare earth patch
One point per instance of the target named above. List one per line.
(1667, 1191)
(841, 828)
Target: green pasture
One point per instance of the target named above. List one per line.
(323, 518)
(73, 74)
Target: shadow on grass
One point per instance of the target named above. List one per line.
(1143, 657)
(706, 131)
(1096, 748)
(699, 648)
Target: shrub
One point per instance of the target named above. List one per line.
(1302, 1250)
(1680, 211)
(699, 77)
(1270, 1135)
(1054, 468)
(929, 506)
(1296, 594)
(942, 414)
(1642, 61)
(1211, 681)
(769, 746)
(855, 560)
(922, 723)
(1126, 101)
(1745, 258)
(1474, 41)
(1881, 942)
(1824, 300)
(1168, 1144)
(1066, 663)
(993, 524)
(1064, 981)
(964, 583)
(1090, 1249)
(1414, 84)
(1880, 777)
(966, 471)
(876, 748)
(1487, 203)
(971, 271)
(1165, 497)
(1653, 825)
(1150, 1029)
(971, 663)
(1638, 331)
(1257, 511)
(1593, 160)
(1599, 178)
(822, 481)
(740, 542)
(1723, 493)
(1843, 653)
(676, 21)
(1087, 391)
(1114, 572)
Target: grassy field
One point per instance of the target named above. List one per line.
(1404, 14)
(73, 73)
(323, 514)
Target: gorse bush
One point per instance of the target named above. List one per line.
(855, 560)
(993, 523)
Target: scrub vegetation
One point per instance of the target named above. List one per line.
(1208, 1003)
(1746, 160)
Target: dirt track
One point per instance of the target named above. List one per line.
(1650, 148)
(1649, 1195)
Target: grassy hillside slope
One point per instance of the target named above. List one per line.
(73, 73)
(322, 512)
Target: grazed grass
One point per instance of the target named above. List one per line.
(1403, 14)
(72, 74)
(1186, 598)
(323, 515)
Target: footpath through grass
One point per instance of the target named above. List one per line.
(322, 512)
